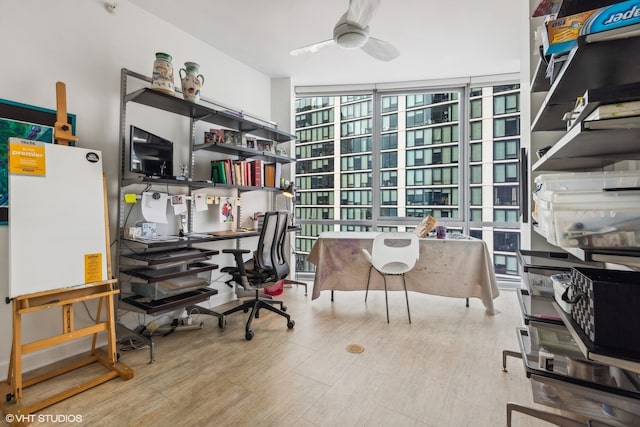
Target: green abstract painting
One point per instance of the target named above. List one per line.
(27, 122)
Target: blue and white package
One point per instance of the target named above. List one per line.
(614, 16)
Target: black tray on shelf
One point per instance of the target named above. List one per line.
(170, 256)
(538, 308)
(536, 268)
(169, 241)
(153, 275)
(589, 66)
(541, 337)
(172, 302)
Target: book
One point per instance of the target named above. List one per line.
(246, 173)
(256, 173)
(218, 175)
(224, 172)
(270, 174)
(278, 176)
(609, 111)
(237, 173)
(227, 171)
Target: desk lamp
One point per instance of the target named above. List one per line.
(290, 193)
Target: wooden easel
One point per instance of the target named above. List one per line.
(11, 390)
(62, 129)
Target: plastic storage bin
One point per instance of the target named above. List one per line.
(591, 402)
(168, 288)
(177, 283)
(587, 181)
(594, 219)
(537, 267)
(548, 186)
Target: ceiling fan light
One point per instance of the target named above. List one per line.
(352, 40)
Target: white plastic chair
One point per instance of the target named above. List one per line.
(393, 254)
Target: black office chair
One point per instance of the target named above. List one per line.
(268, 266)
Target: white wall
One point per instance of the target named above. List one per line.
(78, 42)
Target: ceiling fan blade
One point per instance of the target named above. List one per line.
(311, 48)
(380, 49)
(361, 11)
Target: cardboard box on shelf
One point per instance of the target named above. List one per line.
(561, 34)
(609, 111)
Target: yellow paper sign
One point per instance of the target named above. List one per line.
(27, 159)
(92, 268)
(129, 198)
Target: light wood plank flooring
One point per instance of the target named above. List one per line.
(444, 369)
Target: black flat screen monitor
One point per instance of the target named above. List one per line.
(150, 154)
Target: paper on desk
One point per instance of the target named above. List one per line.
(154, 210)
(201, 202)
(179, 205)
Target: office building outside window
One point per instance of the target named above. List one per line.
(382, 161)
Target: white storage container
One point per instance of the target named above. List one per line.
(537, 268)
(560, 283)
(571, 181)
(547, 185)
(595, 219)
(168, 288)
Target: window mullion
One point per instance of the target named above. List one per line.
(376, 115)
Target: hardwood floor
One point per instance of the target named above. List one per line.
(443, 370)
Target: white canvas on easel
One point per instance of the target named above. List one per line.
(57, 234)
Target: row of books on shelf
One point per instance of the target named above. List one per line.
(255, 173)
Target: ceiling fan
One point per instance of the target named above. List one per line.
(352, 32)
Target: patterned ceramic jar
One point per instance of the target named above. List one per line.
(162, 77)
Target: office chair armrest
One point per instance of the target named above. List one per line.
(237, 254)
(235, 251)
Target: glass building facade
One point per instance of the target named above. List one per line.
(382, 161)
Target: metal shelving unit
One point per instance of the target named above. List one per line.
(206, 111)
(594, 145)
(599, 72)
(601, 69)
(596, 63)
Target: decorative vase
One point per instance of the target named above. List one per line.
(162, 77)
(191, 81)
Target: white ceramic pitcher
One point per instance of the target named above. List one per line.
(191, 81)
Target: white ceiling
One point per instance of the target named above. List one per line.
(436, 39)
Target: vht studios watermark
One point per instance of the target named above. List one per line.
(42, 418)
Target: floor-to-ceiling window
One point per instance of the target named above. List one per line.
(383, 160)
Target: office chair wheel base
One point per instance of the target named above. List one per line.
(249, 335)
(291, 324)
(222, 323)
(246, 309)
(284, 308)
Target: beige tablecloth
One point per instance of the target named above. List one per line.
(459, 268)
